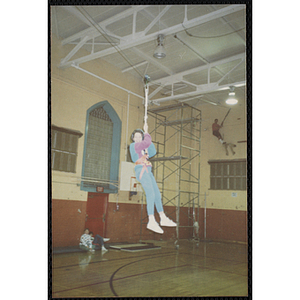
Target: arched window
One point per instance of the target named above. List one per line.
(100, 167)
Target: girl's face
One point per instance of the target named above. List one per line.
(138, 137)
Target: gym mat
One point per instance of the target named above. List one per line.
(135, 247)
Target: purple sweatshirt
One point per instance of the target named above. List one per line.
(144, 144)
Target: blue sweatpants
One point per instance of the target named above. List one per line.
(151, 189)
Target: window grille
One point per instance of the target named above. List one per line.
(228, 175)
(101, 155)
(98, 146)
(64, 143)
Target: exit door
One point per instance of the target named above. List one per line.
(96, 210)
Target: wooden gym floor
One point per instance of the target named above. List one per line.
(194, 269)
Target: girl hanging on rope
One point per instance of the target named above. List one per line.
(140, 150)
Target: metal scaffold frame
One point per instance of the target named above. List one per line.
(179, 164)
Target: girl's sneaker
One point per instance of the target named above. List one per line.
(165, 221)
(152, 225)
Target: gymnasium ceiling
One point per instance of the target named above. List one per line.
(205, 46)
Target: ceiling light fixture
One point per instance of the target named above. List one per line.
(160, 50)
(231, 99)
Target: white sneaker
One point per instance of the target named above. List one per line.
(106, 239)
(92, 250)
(104, 249)
(154, 227)
(165, 221)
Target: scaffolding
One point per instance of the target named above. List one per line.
(177, 137)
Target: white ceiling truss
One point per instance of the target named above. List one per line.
(202, 88)
(126, 36)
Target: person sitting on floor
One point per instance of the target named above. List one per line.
(99, 240)
(86, 241)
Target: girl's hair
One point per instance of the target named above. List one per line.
(135, 131)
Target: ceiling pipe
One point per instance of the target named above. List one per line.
(107, 81)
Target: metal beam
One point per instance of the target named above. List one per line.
(157, 18)
(107, 81)
(232, 69)
(87, 19)
(152, 61)
(175, 89)
(93, 32)
(135, 66)
(77, 13)
(198, 54)
(75, 49)
(140, 38)
(179, 76)
(156, 91)
(202, 89)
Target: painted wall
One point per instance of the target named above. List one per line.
(72, 93)
(234, 130)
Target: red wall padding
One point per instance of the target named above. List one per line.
(226, 225)
(67, 222)
(124, 225)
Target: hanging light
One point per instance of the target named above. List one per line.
(231, 99)
(160, 50)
